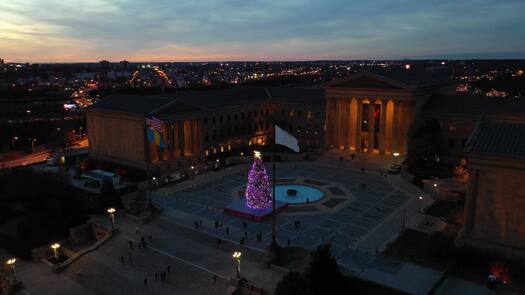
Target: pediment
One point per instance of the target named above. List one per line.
(365, 80)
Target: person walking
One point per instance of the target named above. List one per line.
(122, 259)
(156, 276)
(168, 268)
(227, 231)
(136, 229)
(130, 244)
(145, 281)
(214, 278)
(150, 238)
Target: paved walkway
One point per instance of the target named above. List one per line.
(39, 280)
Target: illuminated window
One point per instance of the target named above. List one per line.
(222, 149)
(291, 113)
(309, 115)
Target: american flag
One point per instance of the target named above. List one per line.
(155, 124)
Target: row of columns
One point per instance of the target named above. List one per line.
(345, 119)
(181, 139)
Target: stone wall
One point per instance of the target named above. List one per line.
(500, 204)
(119, 138)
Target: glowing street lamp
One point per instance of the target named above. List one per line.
(257, 154)
(111, 212)
(55, 247)
(15, 138)
(420, 201)
(11, 263)
(237, 257)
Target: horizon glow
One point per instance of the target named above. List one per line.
(256, 30)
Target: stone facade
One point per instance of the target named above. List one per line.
(495, 204)
(200, 127)
(371, 113)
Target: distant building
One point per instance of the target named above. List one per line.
(459, 114)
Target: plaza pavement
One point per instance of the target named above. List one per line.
(357, 232)
(194, 259)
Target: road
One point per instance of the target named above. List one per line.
(38, 157)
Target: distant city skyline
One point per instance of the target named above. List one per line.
(236, 30)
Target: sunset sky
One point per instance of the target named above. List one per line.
(219, 30)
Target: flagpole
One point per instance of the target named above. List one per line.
(148, 160)
(274, 245)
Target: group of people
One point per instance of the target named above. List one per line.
(162, 276)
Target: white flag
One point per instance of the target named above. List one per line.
(284, 138)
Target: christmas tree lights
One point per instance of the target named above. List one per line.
(258, 191)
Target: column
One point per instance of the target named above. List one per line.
(353, 122)
(348, 122)
(196, 137)
(382, 130)
(343, 114)
(371, 123)
(192, 138)
(187, 138)
(181, 139)
(358, 125)
(395, 119)
(176, 151)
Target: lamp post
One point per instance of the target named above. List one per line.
(237, 257)
(32, 144)
(396, 155)
(420, 201)
(192, 171)
(11, 262)
(15, 138)
(55, 247)
(111, 212)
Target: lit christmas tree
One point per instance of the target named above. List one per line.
(258, 191)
